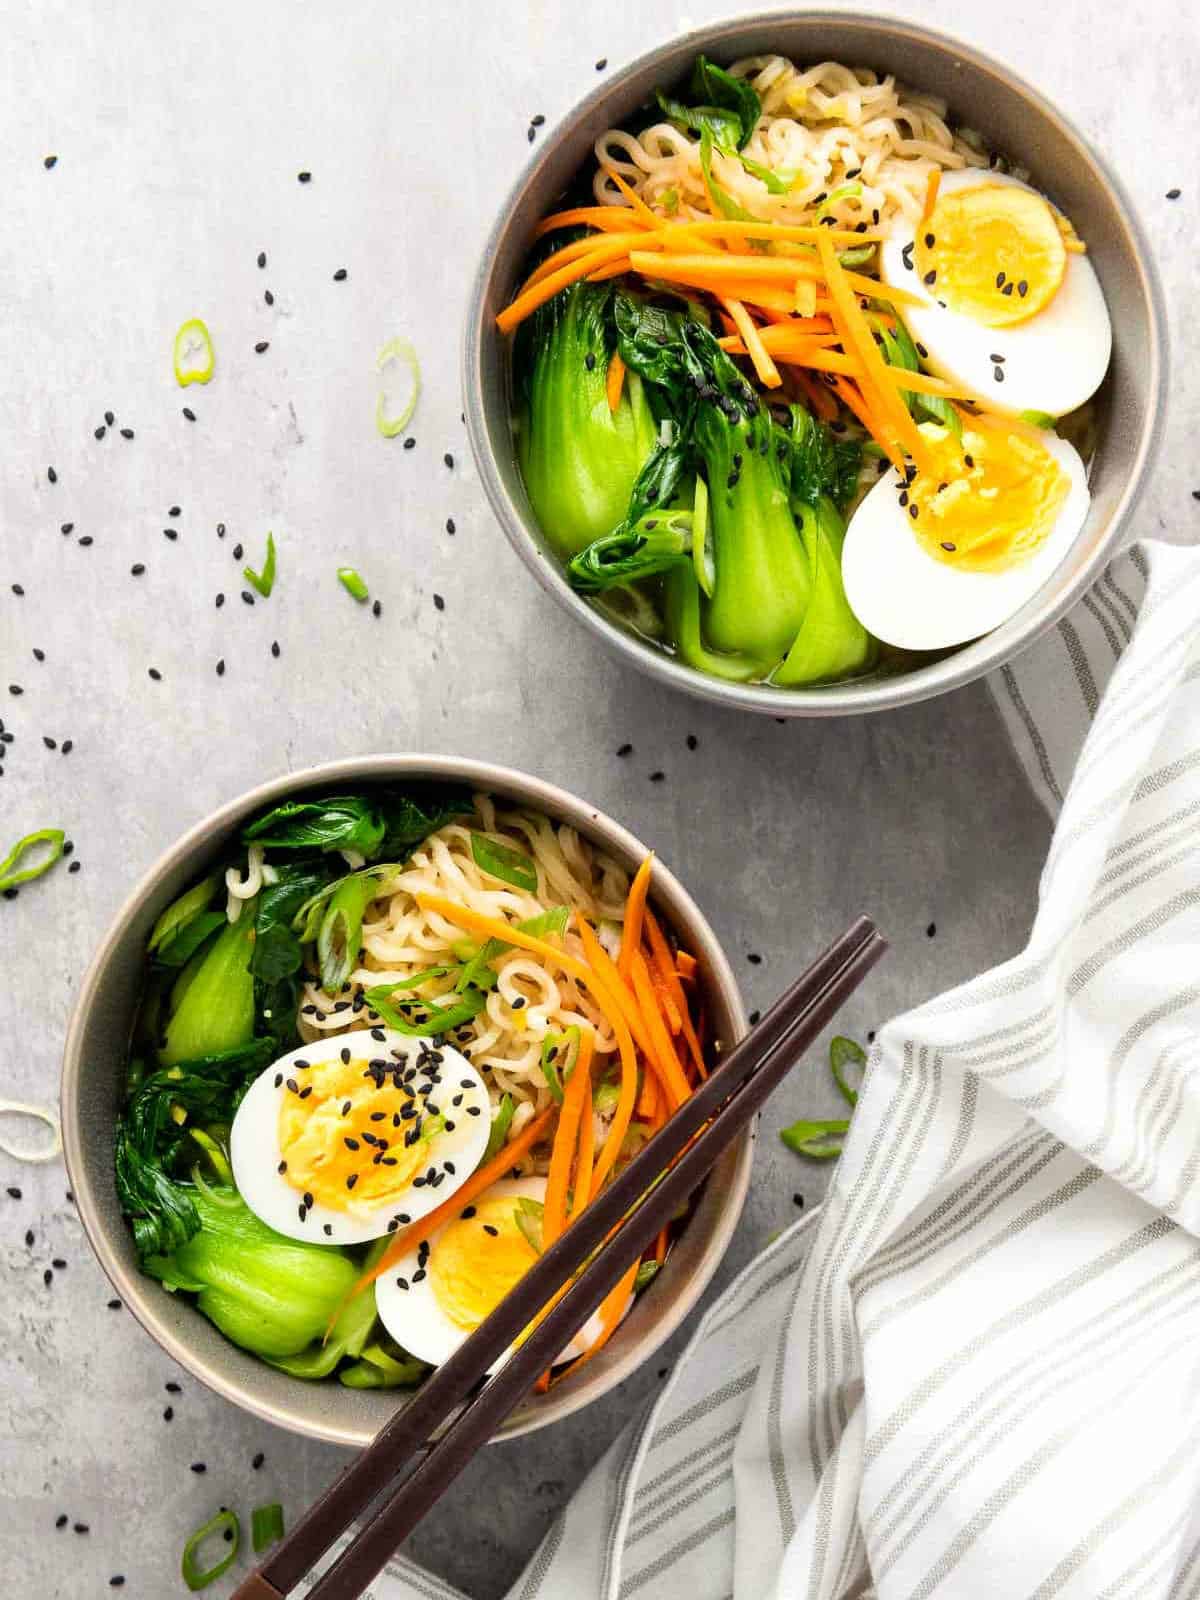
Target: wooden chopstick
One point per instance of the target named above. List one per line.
(608, 1235)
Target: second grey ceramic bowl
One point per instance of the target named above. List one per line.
(94, 1075)
(1015, 120)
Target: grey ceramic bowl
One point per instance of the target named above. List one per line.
(93, 1075)
(1015, 120)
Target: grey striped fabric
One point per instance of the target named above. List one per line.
(974, 1371)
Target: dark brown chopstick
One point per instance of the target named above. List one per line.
(613, 1231)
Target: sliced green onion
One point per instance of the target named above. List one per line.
(857, 256)
(669, 201)
(547, 922)
(501, 1123)
(776, 182)
(702, 553)
(266, 1526)
(529, 1216)
(510, 866)
(559, 1055)
(397, 352)
(820, 1141)
(53, 838)
(433, 1019)
(263, 581)
(182, 911)
(644, 1275)
(19, 1108)
(1039, 419)
(844, 1053)
(194, 354)
(845, 191)
(605, 1097)
(225, 1522)
(353, 582)
(378, 1369)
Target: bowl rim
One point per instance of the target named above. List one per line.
(966, 664)
(141, 1295)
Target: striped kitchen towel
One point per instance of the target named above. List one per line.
(974, 1371)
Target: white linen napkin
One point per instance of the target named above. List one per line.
(974, 1371)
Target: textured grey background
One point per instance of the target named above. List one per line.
(179, 134)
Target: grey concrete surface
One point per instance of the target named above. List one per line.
(179, 133)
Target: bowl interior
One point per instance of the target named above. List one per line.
(1014, 121)
(93, 1078)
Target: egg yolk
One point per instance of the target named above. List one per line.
(478, 1259)
(988, 500)
(350, 1137)
(992, 252)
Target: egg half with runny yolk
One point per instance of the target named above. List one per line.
(1010, 309)
(936, 558)
(357, 1135)
(436, 1296)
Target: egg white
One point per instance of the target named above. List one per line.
(254, 1140)
(414, 1317)
(1053, 362)
(910, 599)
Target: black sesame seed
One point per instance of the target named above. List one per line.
(589, 361)
(109, 418)
(1173, 194)
(238, 552)
(268, 297)
(261, 346)
(450, 528)
(262, 258)
(625, 750)
(999, 360)
(377, 608)
(170, 533)
(86, 539)
(51, 475)
(340, 275)
(410, 443)
(930, 276)
(449, 460)
(488, 1228)
(601, 64)
(137, 569)
(29, 1237)
(439, 603)
(658, 777)
(1022, 288)
(127, 433)
(50, 162)
(155, 674)
(168, 1413)
(51, 744)
(921, 350)
(199, 1467)
(17, 589)
(912, 511)
(114, 1305)
(931, 930)
(81, 1527)
(352, 1180)
(946, 545)
(189, 413)
(75, 865)
(67, 746)
(67, 528)
(100, 431)
(117, 1581)
(47, 1277)
(61, 1520)
(247, 597)
(1007, 290)
(531, 135)
(998, 374)
(304, 177)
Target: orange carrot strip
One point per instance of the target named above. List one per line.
(932, 184)
(755, 291)
(612, 1309)
(582, 1191)
(671, 1074)
(858, 338)
(804, 301)
(528, 301)
(609, 219)
(798, 233)
(482, 1178)
(769, 269)
(494, 928)
(635, 200)
(615, 269)
(603, 964)
(582, 247)
(566, 1140)
(685, 964)
(820, 401)
(660, 1246)
(662, 960)
(768, 372)
(875, 289)
(854, 399)
(635, 910)
(648, 1099)
(615, 381)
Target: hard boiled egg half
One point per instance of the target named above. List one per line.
(436, 1296)
(934, 559)
(1010, 306)
(358, 1134)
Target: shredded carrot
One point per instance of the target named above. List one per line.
(494, 928)
(661, 951)
(615, 269)
(582, 1190)
(857, 338)
(671, 1074)
(530, 299)
(754, 290)
(855, 401)
(635, 200)
(782, 232)
(820, 402)
(932, 185)
(603, 964)
(612, 1309)
(566, 1140)
(648, 1099)
(482, 1178)
(685, 964)
(609, 219)
(582, 247)
(616, 381)
(635, 910)
(769, 269)
(660, 1246)
(766, 369)
(805, 299)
